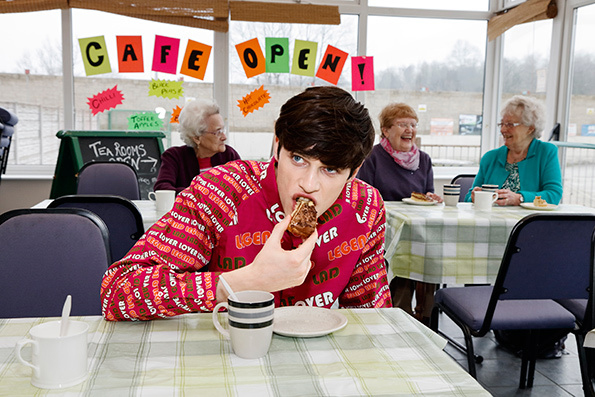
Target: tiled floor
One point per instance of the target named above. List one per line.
(500, 370)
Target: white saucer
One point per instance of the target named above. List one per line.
(531, 206)
(409, 200)
(307, 321)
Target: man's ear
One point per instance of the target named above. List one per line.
(352, 177)
(276, 148)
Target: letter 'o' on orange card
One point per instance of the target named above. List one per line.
(196, 59)
(130, 54)
(252, 57)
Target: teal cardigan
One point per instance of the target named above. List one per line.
(539, 172)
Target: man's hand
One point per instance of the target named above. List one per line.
(274, 268)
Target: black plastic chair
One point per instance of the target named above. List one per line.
(48, 254)
(584, 311)
(547, 257)
(123, 219)
(466, 181)
(108, 177)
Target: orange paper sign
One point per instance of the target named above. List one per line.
(254, 100)
(130, 54)
(196, 59)
(332, 64)
(175, 114)
(251, 57)
(105, 100)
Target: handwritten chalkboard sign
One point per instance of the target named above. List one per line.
(141, 149)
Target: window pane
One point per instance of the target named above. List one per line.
(463, 5)
(252, 135)
(526, 57)
(579, 173)
(134, 86)
(437, 67)
(31, 83)
(525, 60)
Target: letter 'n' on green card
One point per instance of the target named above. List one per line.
(277, 54)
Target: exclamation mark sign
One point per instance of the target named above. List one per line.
(361, 67)
(362, 73)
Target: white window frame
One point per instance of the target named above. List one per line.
(557, 89)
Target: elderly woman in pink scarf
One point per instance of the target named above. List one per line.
(396, 167)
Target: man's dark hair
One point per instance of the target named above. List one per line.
(328, 124)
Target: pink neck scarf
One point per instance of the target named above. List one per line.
(408, 160)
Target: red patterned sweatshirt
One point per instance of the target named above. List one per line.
(221, 222)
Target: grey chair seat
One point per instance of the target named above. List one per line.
(471, 304)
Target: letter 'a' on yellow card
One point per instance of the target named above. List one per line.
(251, 57)
(95, 58)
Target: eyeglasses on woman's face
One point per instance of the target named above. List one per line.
(508, 125)
(218, 132)
(404, 126)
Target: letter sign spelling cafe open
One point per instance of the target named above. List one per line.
(196, 57)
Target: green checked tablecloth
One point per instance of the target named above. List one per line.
(452, 245)
(381, 352)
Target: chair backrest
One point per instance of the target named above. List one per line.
(548, 256)
(48, 254)
(466, 181)
(123, 219)
(107, 177)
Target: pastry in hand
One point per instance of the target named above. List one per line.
(416, 196)
(303, 218)
(539, 202)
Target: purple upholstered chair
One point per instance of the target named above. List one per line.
(548, 256)
(466, 181)
(48, 254)
(123, 219)
(115, 178)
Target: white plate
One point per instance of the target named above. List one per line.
(307, 321)
(531, 206)
(409, 200)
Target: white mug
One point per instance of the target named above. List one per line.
(164, 199)
(451, 194)
(483, 200)
(57, 361)
(451, 200)
(250, 321)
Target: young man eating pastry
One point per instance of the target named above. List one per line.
(233, 219)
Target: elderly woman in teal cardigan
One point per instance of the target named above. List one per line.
(524, 167)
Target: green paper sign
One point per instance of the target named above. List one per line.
(145, 121)
(277, 54)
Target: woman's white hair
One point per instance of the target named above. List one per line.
(193, 119)
(530, 110)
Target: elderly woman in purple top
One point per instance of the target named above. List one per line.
(203, 132)
(396, 167)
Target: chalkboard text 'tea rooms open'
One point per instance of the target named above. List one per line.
(132, 154)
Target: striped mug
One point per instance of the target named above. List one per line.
(250, 322)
